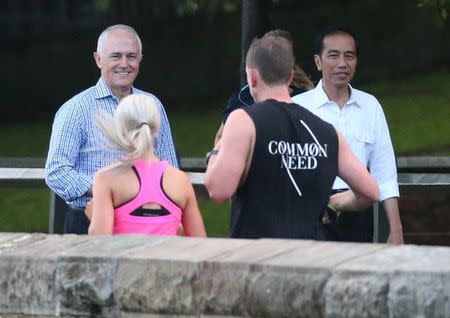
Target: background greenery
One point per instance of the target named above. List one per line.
(417, 110)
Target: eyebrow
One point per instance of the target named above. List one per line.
(345, 52)
(120, 53)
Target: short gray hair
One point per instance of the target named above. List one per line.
(123, 27)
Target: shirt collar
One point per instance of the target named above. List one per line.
(322, 98)
(102, 90)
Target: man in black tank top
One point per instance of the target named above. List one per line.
(279, 158)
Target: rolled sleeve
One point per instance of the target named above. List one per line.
(382, 163)
(388, 190)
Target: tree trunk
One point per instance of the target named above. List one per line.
(255, 22)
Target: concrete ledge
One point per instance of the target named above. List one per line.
(137, 276)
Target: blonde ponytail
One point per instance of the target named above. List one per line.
(131, 129)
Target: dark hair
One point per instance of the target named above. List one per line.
(273, 57)
(332, 30)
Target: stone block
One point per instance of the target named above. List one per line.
(419, 295)
(27, 286)
(220, 288)
(280, 293)
(28, 264)
(356, 295)
(156, 286)
(85, 286)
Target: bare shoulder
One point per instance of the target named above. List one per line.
(103, 173)
(172, 173)
(106, 174)
(238, 123)
(238, 115)
(177, 185)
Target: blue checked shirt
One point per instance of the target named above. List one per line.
(77, 147)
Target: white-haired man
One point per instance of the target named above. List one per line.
(74, 153)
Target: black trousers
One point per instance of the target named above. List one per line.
(351, 226)
(76, 221)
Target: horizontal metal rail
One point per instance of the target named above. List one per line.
(35, 177)
(413, 164)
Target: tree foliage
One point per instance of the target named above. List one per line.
(211, 7)
(440, 7)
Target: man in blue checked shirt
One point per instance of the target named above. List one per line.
(77, 148)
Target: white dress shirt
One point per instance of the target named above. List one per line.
(362, 123)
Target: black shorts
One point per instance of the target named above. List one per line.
(76, 221)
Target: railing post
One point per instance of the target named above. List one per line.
(57, 216)
(380, 224)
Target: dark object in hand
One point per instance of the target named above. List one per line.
(330, 214)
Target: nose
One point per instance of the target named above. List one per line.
(341, 61)
(123, 60)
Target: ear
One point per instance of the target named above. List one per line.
(97, 59)
(254, 77)
(318, 62)
(291, 78)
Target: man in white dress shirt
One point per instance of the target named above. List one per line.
(358, 116)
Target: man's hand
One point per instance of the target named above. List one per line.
(395, 237)
(88, 209)
(349, 201)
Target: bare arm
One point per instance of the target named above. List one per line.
(390, 206)
(102, 210)
(218, 135)
(227, 169)
(192, 222)
(349, 201)
(383, 168)
(351, 170)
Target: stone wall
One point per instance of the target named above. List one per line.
(136, 276)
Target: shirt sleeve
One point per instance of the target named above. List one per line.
(65, 143)
(382, 163)
(165, 148)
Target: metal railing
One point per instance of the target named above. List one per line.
(433, 176)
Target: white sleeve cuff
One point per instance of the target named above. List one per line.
(388, 190)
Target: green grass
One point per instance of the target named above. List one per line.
(24, 210)
(417, 110)
(25, 139)
(194, 132)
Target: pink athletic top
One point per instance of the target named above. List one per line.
(150, 191)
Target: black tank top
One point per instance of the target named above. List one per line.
(291, 174)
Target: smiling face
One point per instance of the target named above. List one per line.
(337, 61)
(118, 60)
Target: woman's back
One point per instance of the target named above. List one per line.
(150, 210)
(151, 197)
(140, 185)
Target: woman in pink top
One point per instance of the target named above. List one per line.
(140, 194)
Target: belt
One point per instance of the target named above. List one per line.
(76, 208)
(338, 190)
